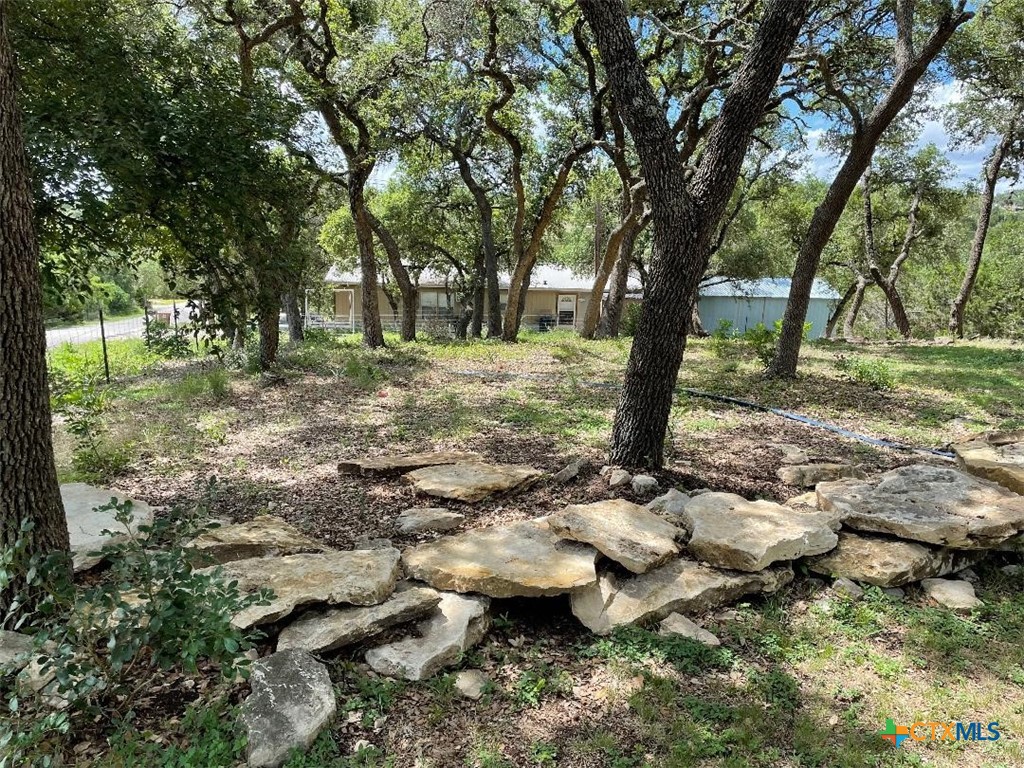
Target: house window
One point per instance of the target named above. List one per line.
(434, 303)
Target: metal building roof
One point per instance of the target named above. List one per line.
(765, 288)
(544, 277)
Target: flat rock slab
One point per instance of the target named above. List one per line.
(728, 531)
(395, 464)
(679, 625)
(682, 586)
(889, 562)
(457, 624)
(523, 559)
(471, 481)
(421, 519)
(934, 505)
(951, 593)
(624, 532)
(264, 536)
(86, 523)
(15, 651)
(809, 475)
(319, 631)
(292, 700)
(356, 577)
(996, 456)
(670, 503)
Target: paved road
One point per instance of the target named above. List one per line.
(119, 328)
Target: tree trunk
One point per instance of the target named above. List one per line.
(478, 294)
(909, 69)
(373, 332)
(992, 170)
(406, 288)
(851, 316)
(296, 326)
(29, 491)
(606, 267)
(484, 209)
(269, 334)
(833, 319)
(684, 215)
(888, 284)
(694, 327)
(611, 314)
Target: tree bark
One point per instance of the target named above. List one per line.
(406, 288)
(867, 132)
(296, 326)
(611, 313)
(607, 262)
(373, 332)
(833, 319)
(993, 168)
(269, 334)
(858, 300)
(684, 215)
(29, 491)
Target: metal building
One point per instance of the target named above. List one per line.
(745, 303)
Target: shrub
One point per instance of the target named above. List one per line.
(876, 374)
(167, 341)
(103, 645)
(630, 318)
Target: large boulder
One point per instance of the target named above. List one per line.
(523, 559)
(471, 481)
(319, 631)
(728, 531)
(628, 534)
(682, 586)
(397, 464)
(809, 475)
(356, 577)
(995, 456)
(86, 522)
(889, 562)
(458, 623)
(934, 505)
(292, 700)
(263, 536)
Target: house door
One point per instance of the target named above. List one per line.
(344, 306)
(567, 310)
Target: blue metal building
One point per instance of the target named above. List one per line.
(745, 303)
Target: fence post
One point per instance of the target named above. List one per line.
(145, 310)
(103, 341)
(174, 306)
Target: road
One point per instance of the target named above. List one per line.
(116, 328)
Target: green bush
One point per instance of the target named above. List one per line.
(876, 374)
(630, 318)
(105, 643)
(168, 341)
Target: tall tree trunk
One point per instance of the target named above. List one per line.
(992, 170)
(406, 288)
(685, 214)
(373, 332)
(606, 265)
(29, 491)
(296, 327)
(479, 294)
(833, 319)
(910, 67)
(269, 333)
(858, 300)
(611, 313)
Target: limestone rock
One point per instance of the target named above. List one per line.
(569, 471)
(644, 485)
(471, 481)
(319, 631)
(420, 519)
(15, 651)
(678, 586)
(86, 523)
(728, 531)
(951, 593)
(894, 593)
(793, 454)
(996, 456)
(397, 464)
(809, 499)
(809, 475)
(934, 505)
(356, 577)
(371, 542)
(671, 503)
(523, 559)
(619, 477)
(264, 536)
(889, 562)
(677, 624)
(624, 532)
(458, 623)
(847, 587)
(471, 683)
(1013, 570)
(292, 700)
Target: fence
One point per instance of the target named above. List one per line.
(393, 322)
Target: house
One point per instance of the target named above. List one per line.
(745, 303)
(557, 297)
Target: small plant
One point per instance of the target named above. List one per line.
(536, 683)
(762, 341)
(876, 374)
(543, 754)
(168, 341)
(630, 319)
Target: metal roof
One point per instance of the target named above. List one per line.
(765, 288)
(544, 277)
